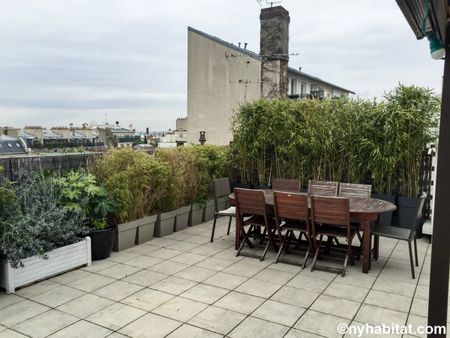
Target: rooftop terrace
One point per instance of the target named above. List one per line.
(183, 286)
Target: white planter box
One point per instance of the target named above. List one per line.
(35, 268)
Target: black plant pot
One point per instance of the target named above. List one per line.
(102, 242)
(385, 217)
(260, 186)
(407, 213)
(241, 185)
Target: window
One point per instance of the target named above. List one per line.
(303, 88)
(294, 87)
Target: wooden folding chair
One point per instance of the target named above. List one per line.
(322, 188)
(292, 214)
(355, 190)
(283, 184)
(331, 218)
(252, 211)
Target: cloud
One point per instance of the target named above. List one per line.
(77, 60)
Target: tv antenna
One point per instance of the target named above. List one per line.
(270, 2)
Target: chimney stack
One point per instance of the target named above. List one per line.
(274, 46)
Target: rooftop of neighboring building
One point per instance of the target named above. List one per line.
(256, 56)
(11, 145)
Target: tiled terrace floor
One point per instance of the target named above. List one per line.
(183, 286)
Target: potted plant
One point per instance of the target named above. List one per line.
(196, 215)
(39, 237)
(81, 192)
(182, 218)
(176, 209)
(138, 182)
(413, 125)
(208, 212)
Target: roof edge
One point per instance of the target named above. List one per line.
(224, 43)
(315, 78)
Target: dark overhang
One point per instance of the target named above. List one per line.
(415, 12)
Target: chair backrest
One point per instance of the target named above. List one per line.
(250, 202)
(221, 191)
(418, 215)
(331, 210)
(290, 206)
(323, 188)
(221, 187)
(355, 190)
(283, 184)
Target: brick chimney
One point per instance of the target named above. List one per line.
(274, 46)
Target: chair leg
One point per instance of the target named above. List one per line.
(229, 225)
(213, 228)
(415, 252)
(266, 248)
(316, 255)
(281, 247)
(345, 266)
(306, 258)
(411, 260)
(245, 240)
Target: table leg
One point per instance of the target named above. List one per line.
(237, 236)
(366, 246)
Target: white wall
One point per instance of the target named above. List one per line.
(219, 79)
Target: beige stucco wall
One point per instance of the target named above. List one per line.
(219, 79)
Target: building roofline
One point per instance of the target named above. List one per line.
(259, 58)
(225, 43)
(315, 78)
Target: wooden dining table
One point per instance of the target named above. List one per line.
(364, 210)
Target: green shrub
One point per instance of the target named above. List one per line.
(81, 192)
(347, 140)
(36, 222)
(192, 170)
(411, 124)
(137, 181)
(212, 162)
(183, 176)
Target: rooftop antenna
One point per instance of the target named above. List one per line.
(271, 2)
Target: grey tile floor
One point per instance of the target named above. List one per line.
(184, 286)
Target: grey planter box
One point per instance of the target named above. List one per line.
(146, 229)
(196, 215)
(165, 224)
(126, 235)
(182, 220)
(223, 202)
(208, 213)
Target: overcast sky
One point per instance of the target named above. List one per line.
(78, 61)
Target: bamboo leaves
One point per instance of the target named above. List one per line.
(338, 139)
